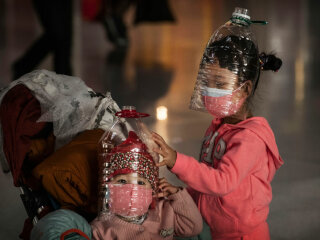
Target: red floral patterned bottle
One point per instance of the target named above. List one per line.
(128, 175)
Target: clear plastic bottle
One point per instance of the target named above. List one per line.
(238, 25)
(235, 31)
(126, 148)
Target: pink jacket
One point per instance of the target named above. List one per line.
(178, 215)
(231, 183)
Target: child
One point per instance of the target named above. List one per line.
(239, 157)
(134, 178)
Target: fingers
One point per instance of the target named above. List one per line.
(166, 188)
(159, 140)
(157, 136)
(162, 180)
(160, 151)
(170, 189)
(169, 155)
(161, 143)
(162, 163)
(162, 194)
(163, 185)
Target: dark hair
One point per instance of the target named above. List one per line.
(270, 62)
(240, 55)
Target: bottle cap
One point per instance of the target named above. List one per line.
(241, 16)
(130, 112)
(241, 12)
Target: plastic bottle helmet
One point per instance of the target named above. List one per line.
(238, 25)
(231, 47)
(127, 174)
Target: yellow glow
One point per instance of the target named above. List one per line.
(299, 80)
(162, 113)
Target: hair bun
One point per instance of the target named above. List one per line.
(270, 62)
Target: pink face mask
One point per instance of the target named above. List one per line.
(129, 200)
(220, 103)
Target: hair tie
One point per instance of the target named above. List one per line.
(262, 60)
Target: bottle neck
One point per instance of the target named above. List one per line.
(236, 19)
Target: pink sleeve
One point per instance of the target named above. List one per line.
(243, 153)
(96, 234)
(187, 220)
(101, 230)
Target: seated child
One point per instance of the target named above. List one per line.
(135, 214)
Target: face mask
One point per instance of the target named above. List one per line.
(220, 102)
(216, 92)
(129, 200)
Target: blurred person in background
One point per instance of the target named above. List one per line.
(111, 14)
(55, 17)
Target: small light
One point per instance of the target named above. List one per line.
(162, 113)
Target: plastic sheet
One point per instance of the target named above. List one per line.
(68, 103)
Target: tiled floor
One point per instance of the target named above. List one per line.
(160, 67)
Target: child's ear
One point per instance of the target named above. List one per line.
(247, 88)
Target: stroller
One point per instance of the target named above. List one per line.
(45, 117)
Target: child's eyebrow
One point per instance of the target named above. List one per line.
(217, 77)
(141, 179)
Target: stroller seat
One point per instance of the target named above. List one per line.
(41, 114)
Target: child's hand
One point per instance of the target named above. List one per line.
(166, 189)
(169, 155)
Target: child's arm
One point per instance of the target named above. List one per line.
(243, 154)
(101, 230)
(187, 218)
(96, 233)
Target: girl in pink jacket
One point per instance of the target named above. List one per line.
(239, 157)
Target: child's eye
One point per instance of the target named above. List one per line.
(122, 181)
(141, 183)
(218, 83)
